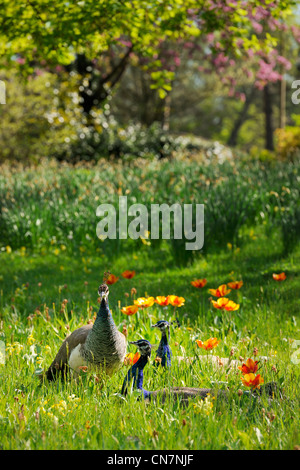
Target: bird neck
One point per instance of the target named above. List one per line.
(164, 351)
(104, 314)
(103, 330)
(135, 372)
(164, 338)
(104, 310)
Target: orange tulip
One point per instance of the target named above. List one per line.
(176, 301)
(209, 344)
(130, 310)
(111, 279)
(235, 284)
(131, 358)
(251, 380)
(128, 274)
(279, 277)
(221, 291)
(249, 367)
(225, 304)
(162, 300)
(199, 283)
(144, 302)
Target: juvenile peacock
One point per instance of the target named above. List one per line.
(100, 345)
(183, 394)
(135, 373)
(164, 353)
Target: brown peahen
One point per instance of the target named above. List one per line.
(100, 345)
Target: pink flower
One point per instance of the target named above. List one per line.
(284, 62)
(257, 27)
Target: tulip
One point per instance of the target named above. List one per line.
(130, 310)
(128, 274)
(253, 381)
(199, 283)
(131, 358)
(176, 301)
(279, 277)
(209, 344)
(221, 291)
(111, 279)
(249, 367)
(235, 284)
(162, 300)
(144, 302)
(225, 304)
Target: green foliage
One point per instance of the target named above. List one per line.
(43, 118)
(52, 205)
(288, 142)
(54, 32)
(40, 117)
(24, 127)
(109, 140)
(285, 214)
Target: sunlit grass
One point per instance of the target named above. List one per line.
(35, 318)
(51, 267)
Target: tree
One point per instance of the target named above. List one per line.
(90, 33)
(99, 39)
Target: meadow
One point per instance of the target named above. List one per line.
(52, 264)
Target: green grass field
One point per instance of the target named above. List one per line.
(43, 263)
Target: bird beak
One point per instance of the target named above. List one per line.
(176, 323)
(154, 326)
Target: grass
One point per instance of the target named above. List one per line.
(34, 320)
(55, 205)
(82, 416)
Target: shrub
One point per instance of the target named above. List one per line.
(24, 126)
(107, 139)
(288, 142)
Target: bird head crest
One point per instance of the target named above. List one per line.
(106, 276)
(176, 322)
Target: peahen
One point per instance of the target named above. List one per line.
(100, 344)
(183, 394)
(164, 353)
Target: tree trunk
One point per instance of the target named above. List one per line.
(282, 119)
(282, 84)
(269, 142)
(99, 87)
(232, 141)
(167, 112)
